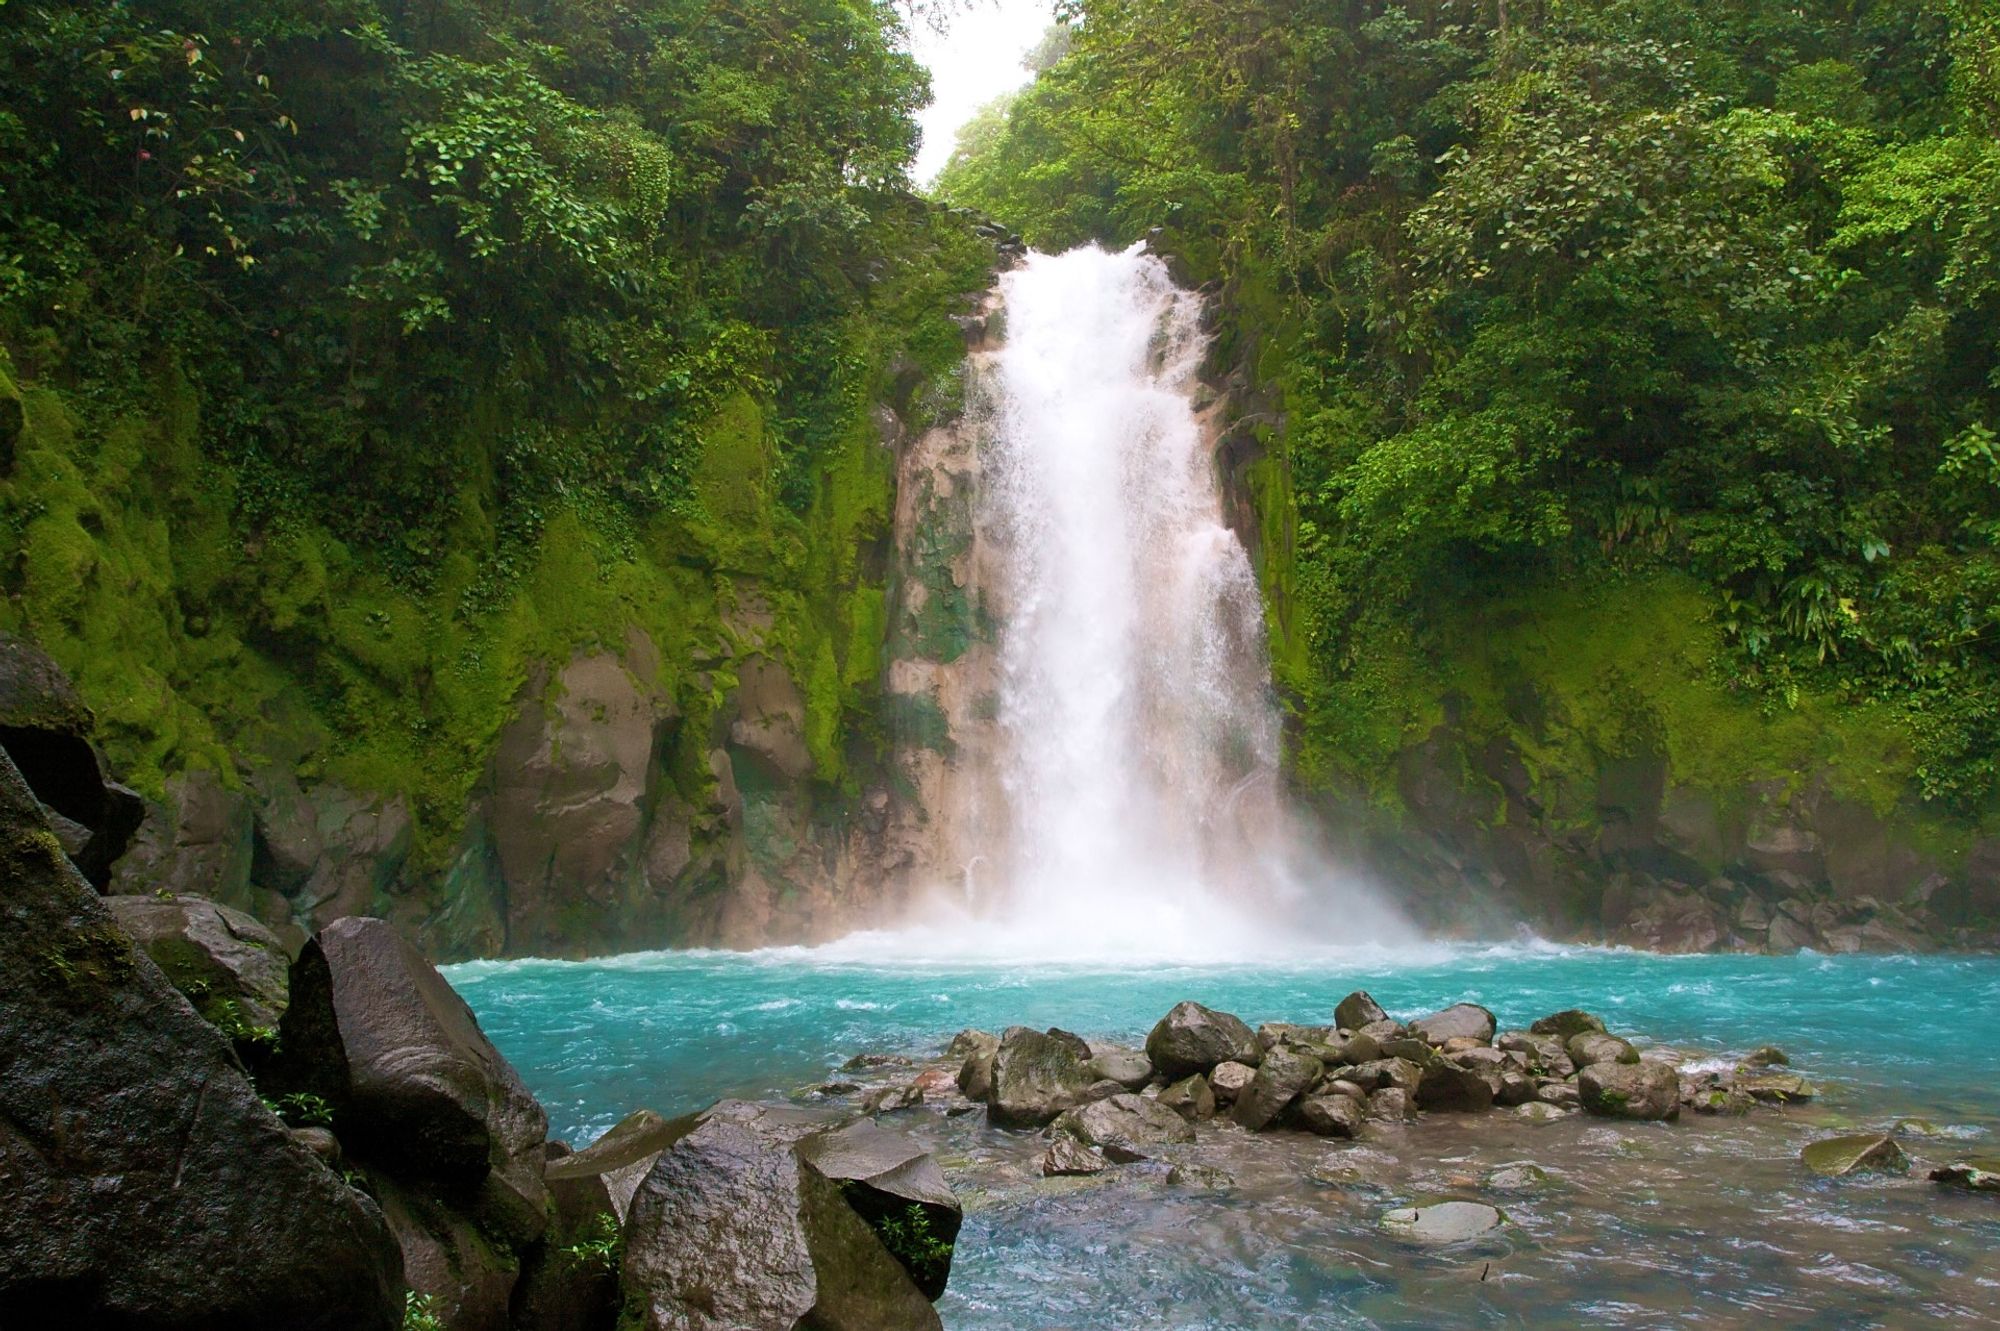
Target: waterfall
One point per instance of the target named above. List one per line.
(1137, 745)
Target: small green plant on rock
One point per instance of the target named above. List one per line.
(910, 1240)
(599, 1244)
(420, 1313)
(303, 1109)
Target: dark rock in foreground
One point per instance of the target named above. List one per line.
(1034, 1078)
(233, 969)
(1631, 1090)
(897, 1188)
(1193, 1038)
(146, 1185)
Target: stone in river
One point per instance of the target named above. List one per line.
(970, 1041)
(1770, 1056)
(1562, 1094)
(1775, 1087)
(889, 1099)
(1357, 1010)
(1342, 1086)
(1516, 1088)
(1190, 1098)
(731, 1228)
(1541, 1112)
(1980, 1174)
(1353, 1049)
(1128, 1067)
(1282, 1078)
(1035, 1078)
(1204, 1177)
(895, 1186)
(1449, 1087)
(1868, 1152)
(1596, 1047)
(1545, 1054)
(1068, 1158)
(1391, 1105)
(1411, 1048)
(1228, 1081)
(1101, 1090)
(1387, 1072)
(1126, 1127)
(1520, 1177)
(1443, 1222)
(1567, 1024)
(1192, 1038)
(1077, 1044)
(1644, 1091)
(975, 1074)
(1330, 1115)
(1461, 1021)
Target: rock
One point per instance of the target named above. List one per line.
(1545, 1055)
(1981, 1174)
(230, 967)
(1453, 1088)
(1357, 1010)
(1643, 1091)
(894, 1185)
(1192, 1038)
(1775, 1087)
(467, 1278)
(1410, 1048)
(1516, 1088)
(320, 1141)
(1342, 1086)
(890, 1099)
(1769, 1056)
(1400, 1073)
(1129, 1068)
(1562, 1094)
(1837, 1157)
(875, 1062)
(1353, 1050)
(1101, 1090)
(46, 729)
(1068, 1157)
(1594, 1047)
(1382, 1031)
(1539, 1112)
(146, 1183)
(1190, 1098)
(1443, 1222)
(1281, 1078)
(1204, 1177)
(731, 1229)
(936, 1083)
(1229, 1080)
(1274, 1033)
(1035, 1078)
(1075, 1043)
(416, 1088)
(603, 1175)
(1520, 1177)
(1460, 1021)
(969, 1042)
(1567, 1024)
(975, 1075)
(199, 842)
(1391, 1105)
(1126, 1127)
(1331, 1115)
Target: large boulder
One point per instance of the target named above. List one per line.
(1461, 1021)
(229, 966)
(1567, 1024)
(1035, 1077)
(1331, 1115)
(1631, 1090)
(897, 1188)
(146, 1184)
(1282, 1077)
(1192, 1039)
(1128, 1067)
(415, 1087)
(46, 729)
(1356, 1010)
(1126, 1127)
(733, 1231)
(1451, 1087)
(1592, 1047)
(602, 1177)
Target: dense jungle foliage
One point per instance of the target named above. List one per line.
(1558, 294)
(359, 352)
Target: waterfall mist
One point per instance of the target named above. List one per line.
(1136, 751)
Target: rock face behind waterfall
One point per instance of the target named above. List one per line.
(145, 1184)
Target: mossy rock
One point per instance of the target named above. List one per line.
(1861, 1153)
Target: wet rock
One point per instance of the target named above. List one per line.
(320, 1141)
(1202, 1177)
(971, 1041)
(1282, 1078)
(1411, 1049)
(1075, 1043)
(1644, 1091)
(1068, 1157)
(47, 730)
(1190, 1098)
(1391, 1105)
(1342, 1086)
(936, 1083)
(1352, 1050)
(1359, 1009)
(1383, 1031)
(1779, 1088)
(1562, 1094)
(897, 1188)
(890, 1099)
(1544, 1055)
(1837, 1157)
(1450, 1087)
(1466, 1021)
(875, 1062)
(1399, 1073)
(1443, 1222)
(146, 1185)
(1567, 1025)
(466, 1276)
(1769, 1056)
(1274, 1033)
(1035, 1078)
(1522, 1176)
(1331, 1115)
(1981, 1174)
(1516, 1088)
(1716, 1097)
(1129, 1068)
(731, 1229)
(603, 1175)
(1229, 1080)
(1593, 1047)
(1126, 1127)
(198, 843)
(975, 1075)
(1192, 1038)
(1540, 1112)
(233, 969)
(416, 1087)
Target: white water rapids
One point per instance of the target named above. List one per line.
(1139, 744)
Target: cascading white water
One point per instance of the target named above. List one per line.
(1140, 746)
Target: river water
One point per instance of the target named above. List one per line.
(1707, 1222)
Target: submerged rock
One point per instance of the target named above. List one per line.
(1357, 1010)
(1837, 1157)
(1035, 1077)
(1541, 1112)
(1981, 1174)
(1126, 1127)
(1643, 1091)
(1523, 1176)
(1443, 1222)
(1775, 1087)
(1768, 1056)
(1192, 1038)
(1206, 1178)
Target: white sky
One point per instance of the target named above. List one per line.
(977, 59)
